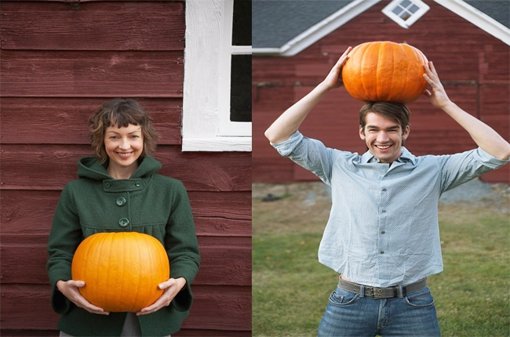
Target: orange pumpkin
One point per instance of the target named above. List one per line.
(385, 71)
(121, 270)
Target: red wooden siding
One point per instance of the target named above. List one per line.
(59, 62)
(472, 64)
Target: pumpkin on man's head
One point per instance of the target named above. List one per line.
(385, 71)
(121, 270)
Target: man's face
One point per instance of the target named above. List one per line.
(383, 136)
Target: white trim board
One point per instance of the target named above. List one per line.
(477, 18)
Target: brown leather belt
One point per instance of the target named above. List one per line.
(378, 293)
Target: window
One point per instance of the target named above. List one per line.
(235, 116)
(217, 76)
(405, 12)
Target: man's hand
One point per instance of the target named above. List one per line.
(70, 290)
(171, 289)
(436, 92)
(333, 80)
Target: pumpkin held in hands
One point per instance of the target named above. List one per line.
(385, 71)
(121, 270)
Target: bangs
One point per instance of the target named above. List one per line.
(123, 115)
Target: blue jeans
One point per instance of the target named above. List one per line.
(350, 315)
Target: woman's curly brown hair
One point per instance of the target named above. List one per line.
(120, 112)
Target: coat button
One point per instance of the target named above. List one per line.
(123, 222)
(121, 201)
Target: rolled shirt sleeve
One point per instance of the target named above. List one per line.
(308, 153)
(461, 167)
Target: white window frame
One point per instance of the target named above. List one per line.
(206, 94)
(422, 9)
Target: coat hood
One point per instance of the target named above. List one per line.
(90, 168)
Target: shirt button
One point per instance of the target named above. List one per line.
(383, 211)
(383, 232)
(382, 252)
(123, 222)
(137, 184)
(121, 201)
(108, 185)
(384, 190)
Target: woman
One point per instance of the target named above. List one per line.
(120, 190)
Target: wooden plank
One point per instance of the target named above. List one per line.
(221, 308)
(50, 167)
(27, 212)
(222, 262)
(209, 171)
(27, 307)
(214, 308)
(233, 205)
(91, 74)
(213, 226)
(35, 120)
(225, 214)
(92, 26)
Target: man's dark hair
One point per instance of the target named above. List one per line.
(395, 111)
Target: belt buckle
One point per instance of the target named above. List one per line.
(378, 293)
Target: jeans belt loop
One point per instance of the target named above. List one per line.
(362, 291)
(400, 291)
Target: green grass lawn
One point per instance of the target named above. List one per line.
(290, 287)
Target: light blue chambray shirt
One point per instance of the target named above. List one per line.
(383, 226)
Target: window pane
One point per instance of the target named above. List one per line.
(405, 3)
(405, 15)
(397, 10)
(240, 89)
(413, 9)
(241, 34)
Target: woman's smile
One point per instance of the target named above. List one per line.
(123, 146)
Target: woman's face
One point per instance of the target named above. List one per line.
(123, 146)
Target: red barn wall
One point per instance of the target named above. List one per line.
(472, 64)
(59, 62)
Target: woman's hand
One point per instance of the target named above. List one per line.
(171, 289)
(436, 92)
(333, 80)
(70, 290)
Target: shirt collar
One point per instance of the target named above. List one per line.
(405, 156)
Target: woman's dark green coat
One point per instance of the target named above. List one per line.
(148, 203)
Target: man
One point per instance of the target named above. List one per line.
(382, 234)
